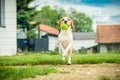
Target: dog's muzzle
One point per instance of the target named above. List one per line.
(65, 22)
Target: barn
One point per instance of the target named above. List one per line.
(108, 38)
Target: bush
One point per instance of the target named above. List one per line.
(53, 52)
(83, 50)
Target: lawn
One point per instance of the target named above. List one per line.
(9, 71)
(36, 59)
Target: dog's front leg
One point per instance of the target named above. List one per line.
(61, 51)
(69, 56)
(69, 48)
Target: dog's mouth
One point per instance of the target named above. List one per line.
(67, 24)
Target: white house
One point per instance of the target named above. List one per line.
(51, 33)
(83, 40)
(20, 34)
(7, 27)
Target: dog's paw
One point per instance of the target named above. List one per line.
(69, 63)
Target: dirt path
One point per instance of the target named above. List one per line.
(83, 72)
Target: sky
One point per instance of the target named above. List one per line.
(100, 11)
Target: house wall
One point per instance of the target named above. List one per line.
(113, 47)
(103, 48)
(78, 44)
(8, 34)
(20, 34)
(108, 47)
(41, 33)
(52, 43)
(52, 40)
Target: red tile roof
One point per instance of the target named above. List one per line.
(48, 29)
(108, 34)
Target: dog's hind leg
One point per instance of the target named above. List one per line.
(67, 49)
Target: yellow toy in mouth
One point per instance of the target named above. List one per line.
(64, 26)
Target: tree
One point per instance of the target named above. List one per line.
(50, 16)
(82, 22)
(25, 15)
(45, 16)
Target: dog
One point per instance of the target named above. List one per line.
(65, 38)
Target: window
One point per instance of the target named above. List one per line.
(2, 13)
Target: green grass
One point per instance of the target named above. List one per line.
(36, 59)
(10, 73)
(104, 78)
(29, 60)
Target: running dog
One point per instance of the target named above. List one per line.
(65, 38)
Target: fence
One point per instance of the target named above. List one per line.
(32, 44)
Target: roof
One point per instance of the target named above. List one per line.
(108, 34)
(84, 35)
(48, 29)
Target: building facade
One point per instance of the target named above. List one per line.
(108, 38)
(7, 27)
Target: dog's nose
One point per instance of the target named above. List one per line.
(65, 21)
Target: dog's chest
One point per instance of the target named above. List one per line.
(65, 36)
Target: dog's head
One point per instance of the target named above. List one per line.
(67, 21)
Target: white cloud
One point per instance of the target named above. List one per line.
(42, 3)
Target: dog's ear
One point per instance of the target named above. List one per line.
(72, 25)
(59, 22)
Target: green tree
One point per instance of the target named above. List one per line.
(45, 15)
(82, 22)
(25, 15)
(50, 16)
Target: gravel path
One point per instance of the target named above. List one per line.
(83, 72)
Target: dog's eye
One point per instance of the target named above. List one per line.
(63, 19)
(68, 19)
